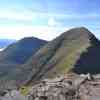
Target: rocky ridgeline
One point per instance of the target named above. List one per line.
(68, 87)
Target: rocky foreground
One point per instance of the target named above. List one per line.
(68, 87)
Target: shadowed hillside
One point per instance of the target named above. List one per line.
(89, 61)
(21, 51)
(17, 54)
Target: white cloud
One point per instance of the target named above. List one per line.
(52, 22)
(43, 32)
(69, 15)
(17, 15)
(1, 49)
(48, 32)
(31, 15)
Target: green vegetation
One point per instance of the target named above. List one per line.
(24, 90)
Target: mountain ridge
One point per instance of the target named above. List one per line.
(82, 39)
(60, 55)
(74, 51)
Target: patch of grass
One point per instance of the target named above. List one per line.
(24, 90)
(68, 61)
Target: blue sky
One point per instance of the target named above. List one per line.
(46, 19)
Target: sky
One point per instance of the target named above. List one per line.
(47, 19)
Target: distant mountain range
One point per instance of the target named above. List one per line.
(5, 42)
(76, 51)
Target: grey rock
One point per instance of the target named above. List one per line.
(77, 88)
(14, 95)
(82, 87)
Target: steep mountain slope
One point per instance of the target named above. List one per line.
(76, 50)
(19, 52)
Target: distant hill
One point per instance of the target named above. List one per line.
(5, 42)
(76, 50)
(18, 53)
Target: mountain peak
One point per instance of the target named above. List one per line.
(81, 33)
(81, 30)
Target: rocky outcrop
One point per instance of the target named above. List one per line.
(67, 87)
(83, 87)
(13, 95)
